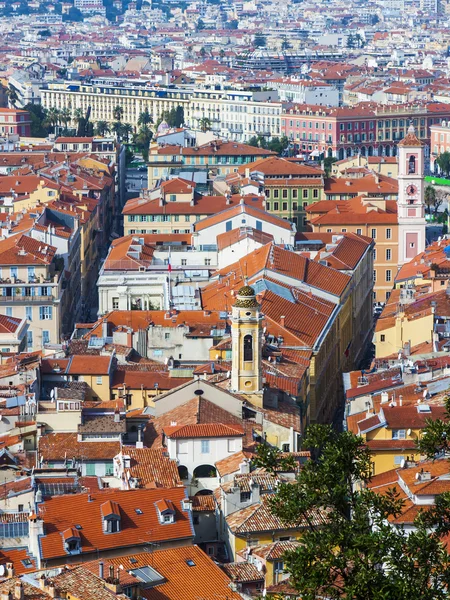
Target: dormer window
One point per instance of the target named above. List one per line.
(72, 541)
(111, 517)
(166, 511)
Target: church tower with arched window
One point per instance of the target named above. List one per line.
(246, 334)
(410, 204)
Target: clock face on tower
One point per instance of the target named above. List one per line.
(411, 190)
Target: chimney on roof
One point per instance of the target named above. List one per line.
(18, 590)
(244, 466)
(282, 320)
(116, 416)
(400, 400)
(10, 569)
(101, 571)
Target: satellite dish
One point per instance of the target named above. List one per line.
(403, 463)
(417, 476)
(2, 570)
(409, 432)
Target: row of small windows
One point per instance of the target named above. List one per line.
(284, 206)
(294, 193)
(373, 233)
(160, 218)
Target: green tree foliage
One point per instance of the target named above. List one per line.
(142, 141)
(205, 124)
(349, 549)
(12, 96)
(38, 117)
(275, 144)
(429, 197)
(443, 162)
(74, 14)
(129, 155)
(101, 128)
(327, 162)
(145, 118)
(173, 117)
(118, 113)
(259, 41)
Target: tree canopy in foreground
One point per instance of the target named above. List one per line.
(356, 553)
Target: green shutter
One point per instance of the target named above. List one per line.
(90, 468)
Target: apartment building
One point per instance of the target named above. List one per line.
(439, 142)
(14, 121)
(233, 114)
(179, 212)
(289, 187)
(372, 217)
(32, 287)
(214, 158)
(367, 128)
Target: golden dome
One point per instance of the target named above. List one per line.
(246, 291)
(246, 298)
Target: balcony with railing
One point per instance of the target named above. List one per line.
(25, 299)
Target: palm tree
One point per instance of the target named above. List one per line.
(118, 113)
(53, 117)
(443, 162)
(12, 96)
(145, 118)
(65, 117)
(430, 197)
(205, 124)
(78, 115)
(117, 129)
(101, 128)
(126, 131)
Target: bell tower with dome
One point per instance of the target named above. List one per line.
(246, 335)
(410, 204)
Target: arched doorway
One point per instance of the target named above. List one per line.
(204, 493)
(341, 153)
(349, 152)
(363, 151)
(205, 471)
(380, 150)
(330, 152)
(370, 151)
(387, 151)
(183, 472)
(394, 151)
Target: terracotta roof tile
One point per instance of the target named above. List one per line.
(63, 512)
(152, 467)
(203, 430)
(188, 572)
(258, 518)
(59, 446)
(243, 572)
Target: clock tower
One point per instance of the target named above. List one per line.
(410, 205)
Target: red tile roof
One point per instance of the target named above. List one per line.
(203, 430)
(62, 512)
(89, 365)
(59, 446)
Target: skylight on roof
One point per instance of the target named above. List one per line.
(77, 526)
(138, 511)
(190, 562)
